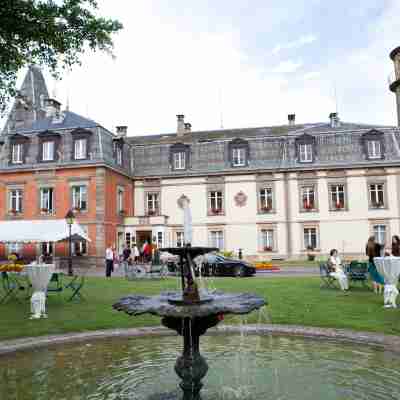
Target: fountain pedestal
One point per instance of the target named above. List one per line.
(191, 366)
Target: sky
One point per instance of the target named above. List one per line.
(238, 64)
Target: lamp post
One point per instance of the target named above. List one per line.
(70, 218)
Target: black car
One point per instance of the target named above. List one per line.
(223, 266)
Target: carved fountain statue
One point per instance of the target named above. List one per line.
(189, 312)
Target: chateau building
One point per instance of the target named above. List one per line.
(52, 161)
(274, 192)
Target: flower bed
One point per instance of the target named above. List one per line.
(266, 266)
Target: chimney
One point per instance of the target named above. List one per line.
(335, 121)
(291, 119)
(122, 130)
(188, 127)
(52, 108)
(180, 125)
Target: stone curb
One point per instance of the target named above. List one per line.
(387, 342)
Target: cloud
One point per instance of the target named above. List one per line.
(301, 41)
(286, 67)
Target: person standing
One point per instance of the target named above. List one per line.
(373, 249)
(136, 253)
(126, 253)
(109, 261)
(336, 264)
(395, 246)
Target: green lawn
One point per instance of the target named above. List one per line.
(297, 301)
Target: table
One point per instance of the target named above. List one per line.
(389, 268)
(39, 275)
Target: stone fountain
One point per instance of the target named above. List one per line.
(189, 312)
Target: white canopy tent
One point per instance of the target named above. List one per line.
(38, 231)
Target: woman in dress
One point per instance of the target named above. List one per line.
(373, 249)
(335, 263)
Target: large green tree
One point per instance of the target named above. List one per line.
(52, 33)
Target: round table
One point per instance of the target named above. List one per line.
(389, 268)
(39, 275)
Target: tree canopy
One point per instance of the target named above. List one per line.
(51, 33)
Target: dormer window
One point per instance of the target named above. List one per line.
(48, 145)
(179, 156)
(238, 152)
(48, 150)
(119, 155)
(373, 144)
(305, 152)
(374, 149)
(16, 153)
(80, 149)
(305, 148)
(238, 157)
(180, 160)
(118, 146)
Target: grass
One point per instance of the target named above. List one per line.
(298, 301)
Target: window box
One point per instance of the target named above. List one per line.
(308, 206)
(266, 208)
(339, 206)
(13, 211)
(151, 212)
(267, 248)
(44, 210)
(377, 205)
(122, 212)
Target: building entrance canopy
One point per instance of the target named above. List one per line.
(36, 231)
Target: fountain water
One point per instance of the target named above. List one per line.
(190, 313)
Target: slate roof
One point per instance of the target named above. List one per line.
(70, 121)
(274, 131)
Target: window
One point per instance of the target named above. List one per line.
(380, 234)
(47, 200)
(159, 239)
(128, 240)
(46, 248)
(80, 149)
(215, 202)
(118, 152)
(376, 195)
(310, 238)
(337, 197)
(180, 241)
(238, 157)
(152, 204)
(48, 151)
(374, 149)
(15, 201)
(14, 247)
(79, 247)
(16, 156)
(308, 198)
(120, 201)
(305, 152)
(179, 160)
(266, 199)
(79, 198)
(217, 239)
(267, 239)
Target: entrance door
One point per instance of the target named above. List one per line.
(141, 237)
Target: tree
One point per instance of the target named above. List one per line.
(51, 33)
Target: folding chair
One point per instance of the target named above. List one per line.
(55, 284)
(358, 272)
(10, 287)
(327, 280)
(76, 284)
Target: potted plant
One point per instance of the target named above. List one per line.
(339, 205)
(13, 211)
(310, 253)
(266, 208)
(44, 210)
(121, 212)
(267, 248)
(151, 212)
(216, 211)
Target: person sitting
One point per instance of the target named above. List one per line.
(335, 265)
(395, 246)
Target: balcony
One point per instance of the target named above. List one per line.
(147, 220)
(393, 82)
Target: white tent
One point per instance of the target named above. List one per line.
(36, 231)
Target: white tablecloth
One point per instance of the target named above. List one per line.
(389, 268)
(39, 275)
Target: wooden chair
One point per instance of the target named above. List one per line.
(77, 283)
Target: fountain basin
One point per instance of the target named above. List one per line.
(248, 367)
(221, 303)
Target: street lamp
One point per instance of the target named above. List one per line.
(70, 218)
